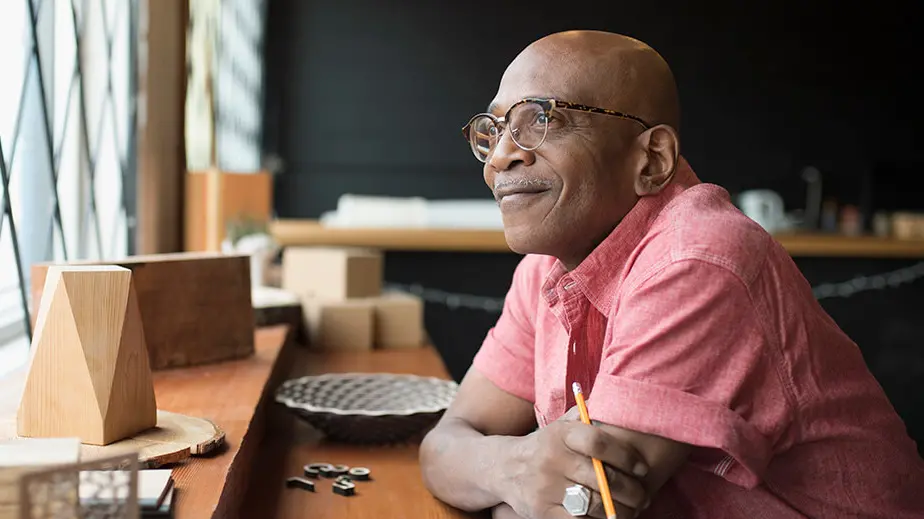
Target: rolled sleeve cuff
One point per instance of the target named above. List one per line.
(685, 418)
(508, 371)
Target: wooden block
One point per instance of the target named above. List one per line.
(399, 320)
(196, 307)
(89, 374)
(339, 325)
(332, 273)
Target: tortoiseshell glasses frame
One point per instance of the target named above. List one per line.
(529, 126)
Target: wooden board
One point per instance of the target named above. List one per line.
(396, 491)
(312, 233)
(195, 307)
(175, 438)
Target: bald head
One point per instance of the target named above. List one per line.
(600, 69)
(563, 196)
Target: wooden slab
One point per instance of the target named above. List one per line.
(175, 438)
(195, 307)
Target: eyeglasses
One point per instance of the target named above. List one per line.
(528, 123)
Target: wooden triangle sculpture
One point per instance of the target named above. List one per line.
(89, 373)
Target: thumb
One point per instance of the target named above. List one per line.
(574, 415)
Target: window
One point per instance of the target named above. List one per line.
(67, 118)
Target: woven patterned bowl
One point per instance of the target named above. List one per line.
(368, 407)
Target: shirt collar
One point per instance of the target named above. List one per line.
(600, 274)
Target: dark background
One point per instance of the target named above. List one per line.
(368, 97)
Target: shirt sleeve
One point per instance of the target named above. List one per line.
(687, 358)
(507, 354)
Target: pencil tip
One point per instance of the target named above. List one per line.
(576, 387)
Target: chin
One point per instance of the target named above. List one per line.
(524, 239)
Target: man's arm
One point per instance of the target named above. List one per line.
(459, 456)
(466, 457)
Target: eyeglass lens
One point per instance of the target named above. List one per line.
(527, 123)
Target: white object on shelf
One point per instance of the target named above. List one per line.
(260, 248)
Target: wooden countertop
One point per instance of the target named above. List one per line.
(228, 393)
(311, 232)
(231, 394)
(397, 489)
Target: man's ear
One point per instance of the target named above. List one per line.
(663, 149)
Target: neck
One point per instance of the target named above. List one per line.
(579, 252)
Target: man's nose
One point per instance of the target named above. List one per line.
(507, 154)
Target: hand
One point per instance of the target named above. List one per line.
(544, 463)
(504, 511)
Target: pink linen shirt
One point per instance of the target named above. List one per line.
(692, 323)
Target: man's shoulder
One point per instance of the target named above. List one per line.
(701, 223)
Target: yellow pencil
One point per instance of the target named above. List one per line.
(598, 466)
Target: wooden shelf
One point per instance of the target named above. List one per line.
(312, 233)
(830, 245)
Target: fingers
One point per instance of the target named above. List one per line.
(619, 460)
(593, 442)
(597, 511)
(504, 511)
(624, 489)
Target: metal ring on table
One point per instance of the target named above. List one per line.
(577, 500)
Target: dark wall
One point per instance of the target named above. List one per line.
(367, 97)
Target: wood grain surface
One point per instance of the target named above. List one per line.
(195, 307)
(176, 438)
(396, 490)
(804, 244)
(229, 394)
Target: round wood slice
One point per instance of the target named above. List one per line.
(175, 438)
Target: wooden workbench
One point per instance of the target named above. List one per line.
(397, 490)
(231, 394)
(265, 443)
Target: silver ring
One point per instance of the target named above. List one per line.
(576, 500)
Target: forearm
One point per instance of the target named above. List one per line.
(462, 467)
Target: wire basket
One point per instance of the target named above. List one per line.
(368, 407)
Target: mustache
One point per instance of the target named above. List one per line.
(523, 183)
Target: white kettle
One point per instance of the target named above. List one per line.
(764, 207)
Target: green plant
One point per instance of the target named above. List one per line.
(244, 225)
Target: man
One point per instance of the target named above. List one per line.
(719, 387)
